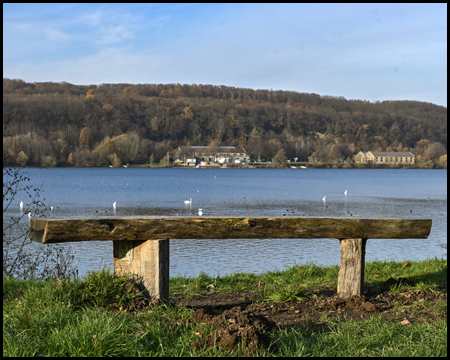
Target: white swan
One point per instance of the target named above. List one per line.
(114, 205)
(200, 212)
(345, 192)
(188, 201)
(21, 205)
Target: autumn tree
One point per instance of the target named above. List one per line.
(115, 160)
(130, 91)
(90, 94)
(178, 91)
(421, 146)
(107, 107)
(443, 161)
(14, 149)
(187, 113)
(434, 151)
(85, 134)
(280, 159)
(22, 158)
(70, 160)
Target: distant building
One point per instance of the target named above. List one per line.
(384, 157)
(214, 154)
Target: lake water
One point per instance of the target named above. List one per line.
(409, 193)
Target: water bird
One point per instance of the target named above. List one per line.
(188, 201)
(21, 205)
(114, 205)
(51, 208)
(345, 192)
(200, 212)
(324, 198)
(29, 215)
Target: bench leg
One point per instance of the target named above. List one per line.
(149, 261)
(351, 274)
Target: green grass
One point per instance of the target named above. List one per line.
(84, 317)
(373, 337)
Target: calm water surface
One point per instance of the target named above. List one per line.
(249, 192)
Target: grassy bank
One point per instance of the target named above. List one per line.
(294, 312)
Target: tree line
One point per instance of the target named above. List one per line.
(61, 124)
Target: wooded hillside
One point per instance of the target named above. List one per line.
(60, 124)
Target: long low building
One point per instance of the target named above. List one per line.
(384, 157)
(214, 154)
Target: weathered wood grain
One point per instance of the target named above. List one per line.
(54, 230)
(351, 273)
(150, 265)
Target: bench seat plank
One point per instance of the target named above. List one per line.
(67, 229)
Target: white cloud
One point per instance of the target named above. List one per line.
(115, 34)
(92, 19)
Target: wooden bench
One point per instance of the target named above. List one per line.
(141, 243)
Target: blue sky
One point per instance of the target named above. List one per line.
(358, 51)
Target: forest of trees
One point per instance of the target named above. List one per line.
(60, 124)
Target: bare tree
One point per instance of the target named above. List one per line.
(21, 258)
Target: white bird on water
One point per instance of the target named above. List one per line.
(29, 215)
(345, 192)
(21, 205)
(188, 201)
(324, 198)
(114, 205)
(200, 212)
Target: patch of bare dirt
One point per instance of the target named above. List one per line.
(234, 327)
(237, 319)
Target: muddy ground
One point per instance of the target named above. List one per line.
(238, 318)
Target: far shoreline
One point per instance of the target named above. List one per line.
(218, 167)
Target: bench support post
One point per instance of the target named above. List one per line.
(351, 273)
(148, 261)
